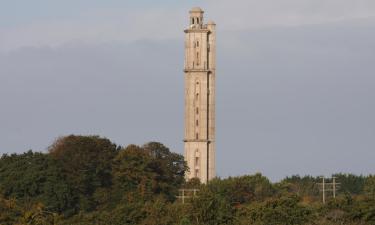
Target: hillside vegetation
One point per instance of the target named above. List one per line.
(90, 180)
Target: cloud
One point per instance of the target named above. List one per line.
(286, 96)
(288, 92)
(244, 14)
(167, 22)
(95, 27)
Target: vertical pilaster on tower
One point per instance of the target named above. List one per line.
(200, 64)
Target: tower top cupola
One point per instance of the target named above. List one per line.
(196, 17)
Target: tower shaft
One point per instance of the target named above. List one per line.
(200, 48)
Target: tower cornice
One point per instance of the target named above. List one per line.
(197, 140)
(192, 30)
(197, 70)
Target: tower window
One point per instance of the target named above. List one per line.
(192, 20)
(197, 96)
(197, 43)
(197, 20)
(197, 136)
(197, 110)
(196, 123)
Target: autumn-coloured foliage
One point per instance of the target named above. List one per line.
(90, 180)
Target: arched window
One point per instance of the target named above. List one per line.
(197, 96)
(197, 136)
(196, 123)
(197, 110)
(192, 20)
(197, 43)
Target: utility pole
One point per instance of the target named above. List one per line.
(328, 186)
(324, 191)
(185, 194)
(334, 186)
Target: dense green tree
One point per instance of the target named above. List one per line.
(169, 169)
(131, 173)
(10, 212)
(211, 208)
(347, 209)
(36, 177)
(37, 214)
(86, 180)
(286, 210)
(193, 183)
(369, 187)
(86, 162)
(160, 211)
(243, 189)
(350, 183)
(301, 186)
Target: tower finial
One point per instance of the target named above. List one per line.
(196, 17)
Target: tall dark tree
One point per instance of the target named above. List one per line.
(286, 210)
(301, 186)
(169, 169)
(370, 186)
(350, 183)
(151, 170)
(211, 208)
(36, 176)
(87, 163)
(131, 173)
(243, 189)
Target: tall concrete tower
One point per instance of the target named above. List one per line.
(200, 48)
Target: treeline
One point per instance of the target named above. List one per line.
(90, 180)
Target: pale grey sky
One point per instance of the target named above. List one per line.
(295, 79)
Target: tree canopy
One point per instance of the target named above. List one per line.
(90, 180)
